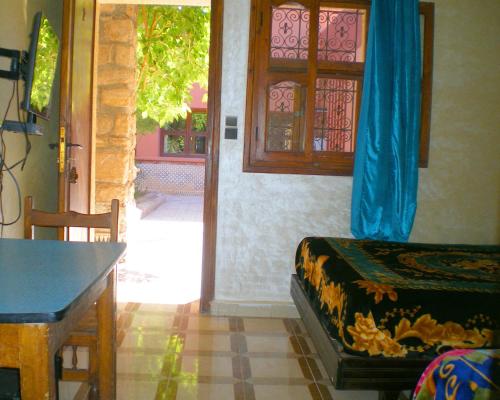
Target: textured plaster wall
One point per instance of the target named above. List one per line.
(262, 217)
(39, 177)
(459, 194)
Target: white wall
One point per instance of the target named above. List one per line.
(39, 177)
(459, 194)
(262, 217)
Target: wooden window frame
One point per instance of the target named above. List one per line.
(188, 135)
(263, 72)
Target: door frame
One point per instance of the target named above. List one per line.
(65, 103)
(65, 108)
(214, 118)
(212, 162)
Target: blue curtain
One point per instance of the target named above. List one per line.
(386, 163)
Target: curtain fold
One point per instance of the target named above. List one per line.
(385, 174)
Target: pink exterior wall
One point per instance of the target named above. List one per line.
(148, 146)
(197, 94)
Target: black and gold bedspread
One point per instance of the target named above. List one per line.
(402, 300)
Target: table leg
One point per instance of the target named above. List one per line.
(36, 364)
(106, 343)
(388, 395)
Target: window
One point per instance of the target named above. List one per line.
(186, 137)
(306, 66)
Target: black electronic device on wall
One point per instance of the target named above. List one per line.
(37, 67)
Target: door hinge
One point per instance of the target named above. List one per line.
(256, 133)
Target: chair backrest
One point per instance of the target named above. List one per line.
(70, 219)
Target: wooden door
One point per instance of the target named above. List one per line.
(77, 104)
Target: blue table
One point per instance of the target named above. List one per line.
(46, 287)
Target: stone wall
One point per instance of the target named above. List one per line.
(116, 84)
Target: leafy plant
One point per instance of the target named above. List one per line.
(172, 55)
(174, 144)
(45, 67)
(199, 122)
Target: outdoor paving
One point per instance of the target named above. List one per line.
(163, 262)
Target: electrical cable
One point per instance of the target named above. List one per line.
(9, 168)
(3, 150)
(25, 129)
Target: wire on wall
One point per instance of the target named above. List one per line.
(7, 170)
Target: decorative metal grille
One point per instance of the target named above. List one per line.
(340, 34)
(334, 114)
(282, 96)
(171, 177)
(285, 117)
(290, 32)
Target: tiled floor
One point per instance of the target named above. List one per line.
(172, 352)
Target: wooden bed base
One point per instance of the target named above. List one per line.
(389, 376)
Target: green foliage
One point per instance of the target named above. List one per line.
(199, 122)
(174, 144)
(177, 124)
(45, 67)
(172, 55)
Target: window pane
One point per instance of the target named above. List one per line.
(173, 144)
(199, 122)
(341, 35)
(199, 144)
(285, 119)
(334, 115)
(290, 32)
(178, 124)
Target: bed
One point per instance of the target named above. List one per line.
(379, 312)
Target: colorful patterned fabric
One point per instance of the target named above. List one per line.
(461, 375)
(402, 300)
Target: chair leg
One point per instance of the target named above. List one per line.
(93, 395)
(58, 363)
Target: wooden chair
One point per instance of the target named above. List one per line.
(86, 333)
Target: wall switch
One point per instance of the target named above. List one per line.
(231, 133)
(231, 121)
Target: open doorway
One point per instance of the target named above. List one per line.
(165, 237)
(184, 145)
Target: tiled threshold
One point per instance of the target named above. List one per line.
(254, 309)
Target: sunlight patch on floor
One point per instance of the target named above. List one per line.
(163, 263)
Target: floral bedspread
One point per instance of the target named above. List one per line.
(461, 375)
(402, 300)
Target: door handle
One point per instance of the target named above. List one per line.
(56, 145)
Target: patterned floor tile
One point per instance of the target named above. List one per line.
(269, 344)
(275, 367)
(264, 325)
(170, 352)
(207, 323)
(135, 389)
(207, 342)
(189, 391)
(197, 366)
